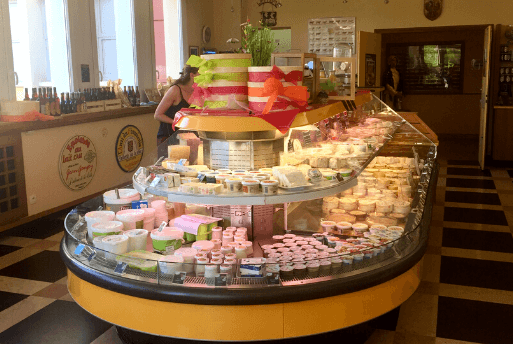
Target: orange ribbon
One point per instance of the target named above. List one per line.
(274, 88)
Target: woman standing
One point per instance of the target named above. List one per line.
(175, 99)
(393, 84)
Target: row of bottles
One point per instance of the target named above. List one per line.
(49, 102)
(134, 97)
(72, 102)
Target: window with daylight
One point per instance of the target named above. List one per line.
(39, 44)
(430, 68)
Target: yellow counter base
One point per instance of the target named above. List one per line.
(239, 323)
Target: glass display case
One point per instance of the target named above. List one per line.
(337, 77)
(338, 204)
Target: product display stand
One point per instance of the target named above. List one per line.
(150, 306)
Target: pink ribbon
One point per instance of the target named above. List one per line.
(276, 72)
(198, 96)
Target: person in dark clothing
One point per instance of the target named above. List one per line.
(176, 98)
(393, 84)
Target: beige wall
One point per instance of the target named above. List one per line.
(41, 157)
(372, 15)
(199, 13)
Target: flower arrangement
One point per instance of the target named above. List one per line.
(257, 42)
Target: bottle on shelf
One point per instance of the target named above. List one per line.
(69, 109)
(57, 102)
(137, 96)
(34, 94)
(84, 103)
(74, 102)
(42, 101)
(27, 97)
(49, 104)
(132, 96)
(39, 94)
(63, 104)
(125, 92)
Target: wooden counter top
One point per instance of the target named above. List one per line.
(72, 119)
(510, 107)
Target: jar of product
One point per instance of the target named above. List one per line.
(250, 186)
(286, 272)
(233, 185)
(220, 179)
(328, 225)
(269, 187)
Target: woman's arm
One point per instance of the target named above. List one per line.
(171, 97)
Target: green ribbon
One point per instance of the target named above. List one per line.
(204, 80)
(208, 65)
(215, 104)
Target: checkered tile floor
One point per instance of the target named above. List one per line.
(466, 293)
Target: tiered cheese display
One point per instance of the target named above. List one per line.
(321, 199)
(338, 206)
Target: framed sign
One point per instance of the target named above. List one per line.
(269, 18)
(324, 34)
(77, 162)
(129, 148)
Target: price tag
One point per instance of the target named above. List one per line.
(91, 256)
(79, 249)
(179, 277)
(155, 182)
(220, 281)
(162, 225)
(273, 278)
(159, 161)
(121, 267)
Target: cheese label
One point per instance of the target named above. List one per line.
(129, 148)
(77, 162)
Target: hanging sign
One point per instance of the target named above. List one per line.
(129, 148)
(77, 162)
(269, 18)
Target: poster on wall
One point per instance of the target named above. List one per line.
(77, 162)
(370, 70)
(324, 34)
(129, 148)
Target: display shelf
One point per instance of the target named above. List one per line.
(283, 196)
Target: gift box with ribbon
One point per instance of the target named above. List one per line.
(222, 77)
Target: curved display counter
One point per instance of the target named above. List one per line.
(369, 272)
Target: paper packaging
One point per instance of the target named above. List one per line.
(178, 152)
(142, 204)
(252, 267)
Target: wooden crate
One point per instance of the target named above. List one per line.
(97, 106)
(112, 104)
(153, 95)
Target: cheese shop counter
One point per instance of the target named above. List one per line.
(267, 234)
(345, 296)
